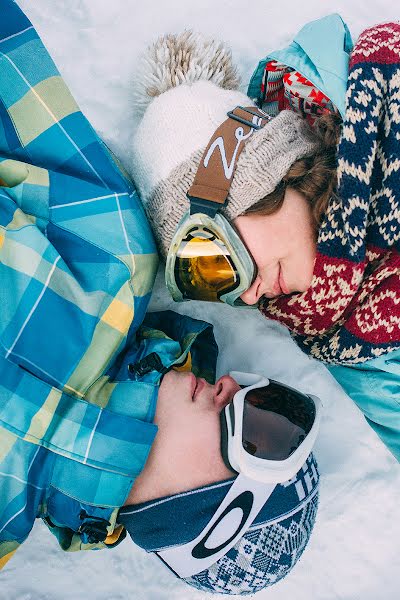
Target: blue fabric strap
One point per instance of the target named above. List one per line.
(178, 519)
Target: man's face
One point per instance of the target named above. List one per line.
(186, 452)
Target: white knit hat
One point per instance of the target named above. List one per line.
(185, 90)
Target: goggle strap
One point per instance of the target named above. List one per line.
(218, 163)
(235, 514)
(199, 205)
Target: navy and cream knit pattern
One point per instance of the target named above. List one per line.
(351, 311)
(267, 551)
(262, 557)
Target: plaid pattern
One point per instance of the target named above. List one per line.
(77, 264)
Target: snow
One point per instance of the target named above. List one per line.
(354, 550)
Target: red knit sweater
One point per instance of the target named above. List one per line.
(351, 311)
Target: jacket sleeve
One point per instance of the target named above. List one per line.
(374, 387)
(77, 264)
(77, 256)
(7, 551)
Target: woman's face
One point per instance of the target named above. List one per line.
(283, 248)
(186, 452)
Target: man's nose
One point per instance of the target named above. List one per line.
(225, 388)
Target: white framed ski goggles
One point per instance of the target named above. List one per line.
(269, 428)
(291, 419)
(207, 260)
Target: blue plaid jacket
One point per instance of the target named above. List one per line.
(77, 265)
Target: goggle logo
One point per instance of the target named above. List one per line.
(219, 142)
(244, 502)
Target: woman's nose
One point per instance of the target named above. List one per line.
(225, 388)
(253, 294)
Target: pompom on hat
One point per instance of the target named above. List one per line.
(185, 89)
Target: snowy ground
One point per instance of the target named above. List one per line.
(354, 551)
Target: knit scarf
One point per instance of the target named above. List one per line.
(351, 311)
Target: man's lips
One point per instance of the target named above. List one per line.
(197, 386)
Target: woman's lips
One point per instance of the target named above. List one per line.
(277, 290)
(282, 284)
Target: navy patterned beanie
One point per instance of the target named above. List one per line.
(262, 556)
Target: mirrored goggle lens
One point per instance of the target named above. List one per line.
(276, 420)
(204, 269)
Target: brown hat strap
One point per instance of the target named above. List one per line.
(218, 163)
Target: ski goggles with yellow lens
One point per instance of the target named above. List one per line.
(207, 260)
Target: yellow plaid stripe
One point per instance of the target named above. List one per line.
(33, 115)
(4, 559)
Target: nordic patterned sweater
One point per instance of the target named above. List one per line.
(351, 311)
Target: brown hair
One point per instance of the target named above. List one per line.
(313, 176)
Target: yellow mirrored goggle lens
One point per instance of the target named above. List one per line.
(203, 267)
